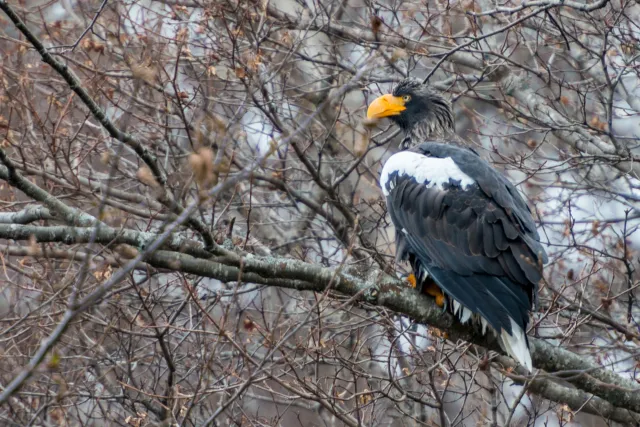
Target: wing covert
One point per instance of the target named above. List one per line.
(462, 230)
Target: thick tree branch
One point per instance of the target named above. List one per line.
(26, 216)
(575, 398)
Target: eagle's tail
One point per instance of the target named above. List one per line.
(517, 345)
(495, 302)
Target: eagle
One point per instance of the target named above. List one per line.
(464, 228)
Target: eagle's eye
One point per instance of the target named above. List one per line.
(406, 98)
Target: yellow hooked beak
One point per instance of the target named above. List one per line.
(385, 106)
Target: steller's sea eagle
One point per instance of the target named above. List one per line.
(459, 221)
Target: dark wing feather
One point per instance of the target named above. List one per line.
(473, 246)
(494, 298)
(516, 215)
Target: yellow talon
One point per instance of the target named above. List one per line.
(430, 288)
(412, 280)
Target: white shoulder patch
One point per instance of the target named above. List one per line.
(430, 170)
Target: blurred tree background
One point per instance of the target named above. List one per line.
(192, 233)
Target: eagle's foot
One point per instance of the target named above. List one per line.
(413, 282)
(430, 288)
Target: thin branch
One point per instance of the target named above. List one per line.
(86, 30)
(75, 85)
(583, 7)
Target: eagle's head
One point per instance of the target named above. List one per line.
(420, 111)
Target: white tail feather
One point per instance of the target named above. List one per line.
(484, 323)
(465, 315)
(516, 345)
(456, 307)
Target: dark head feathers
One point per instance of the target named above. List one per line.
(409, 86)
(428, 114)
